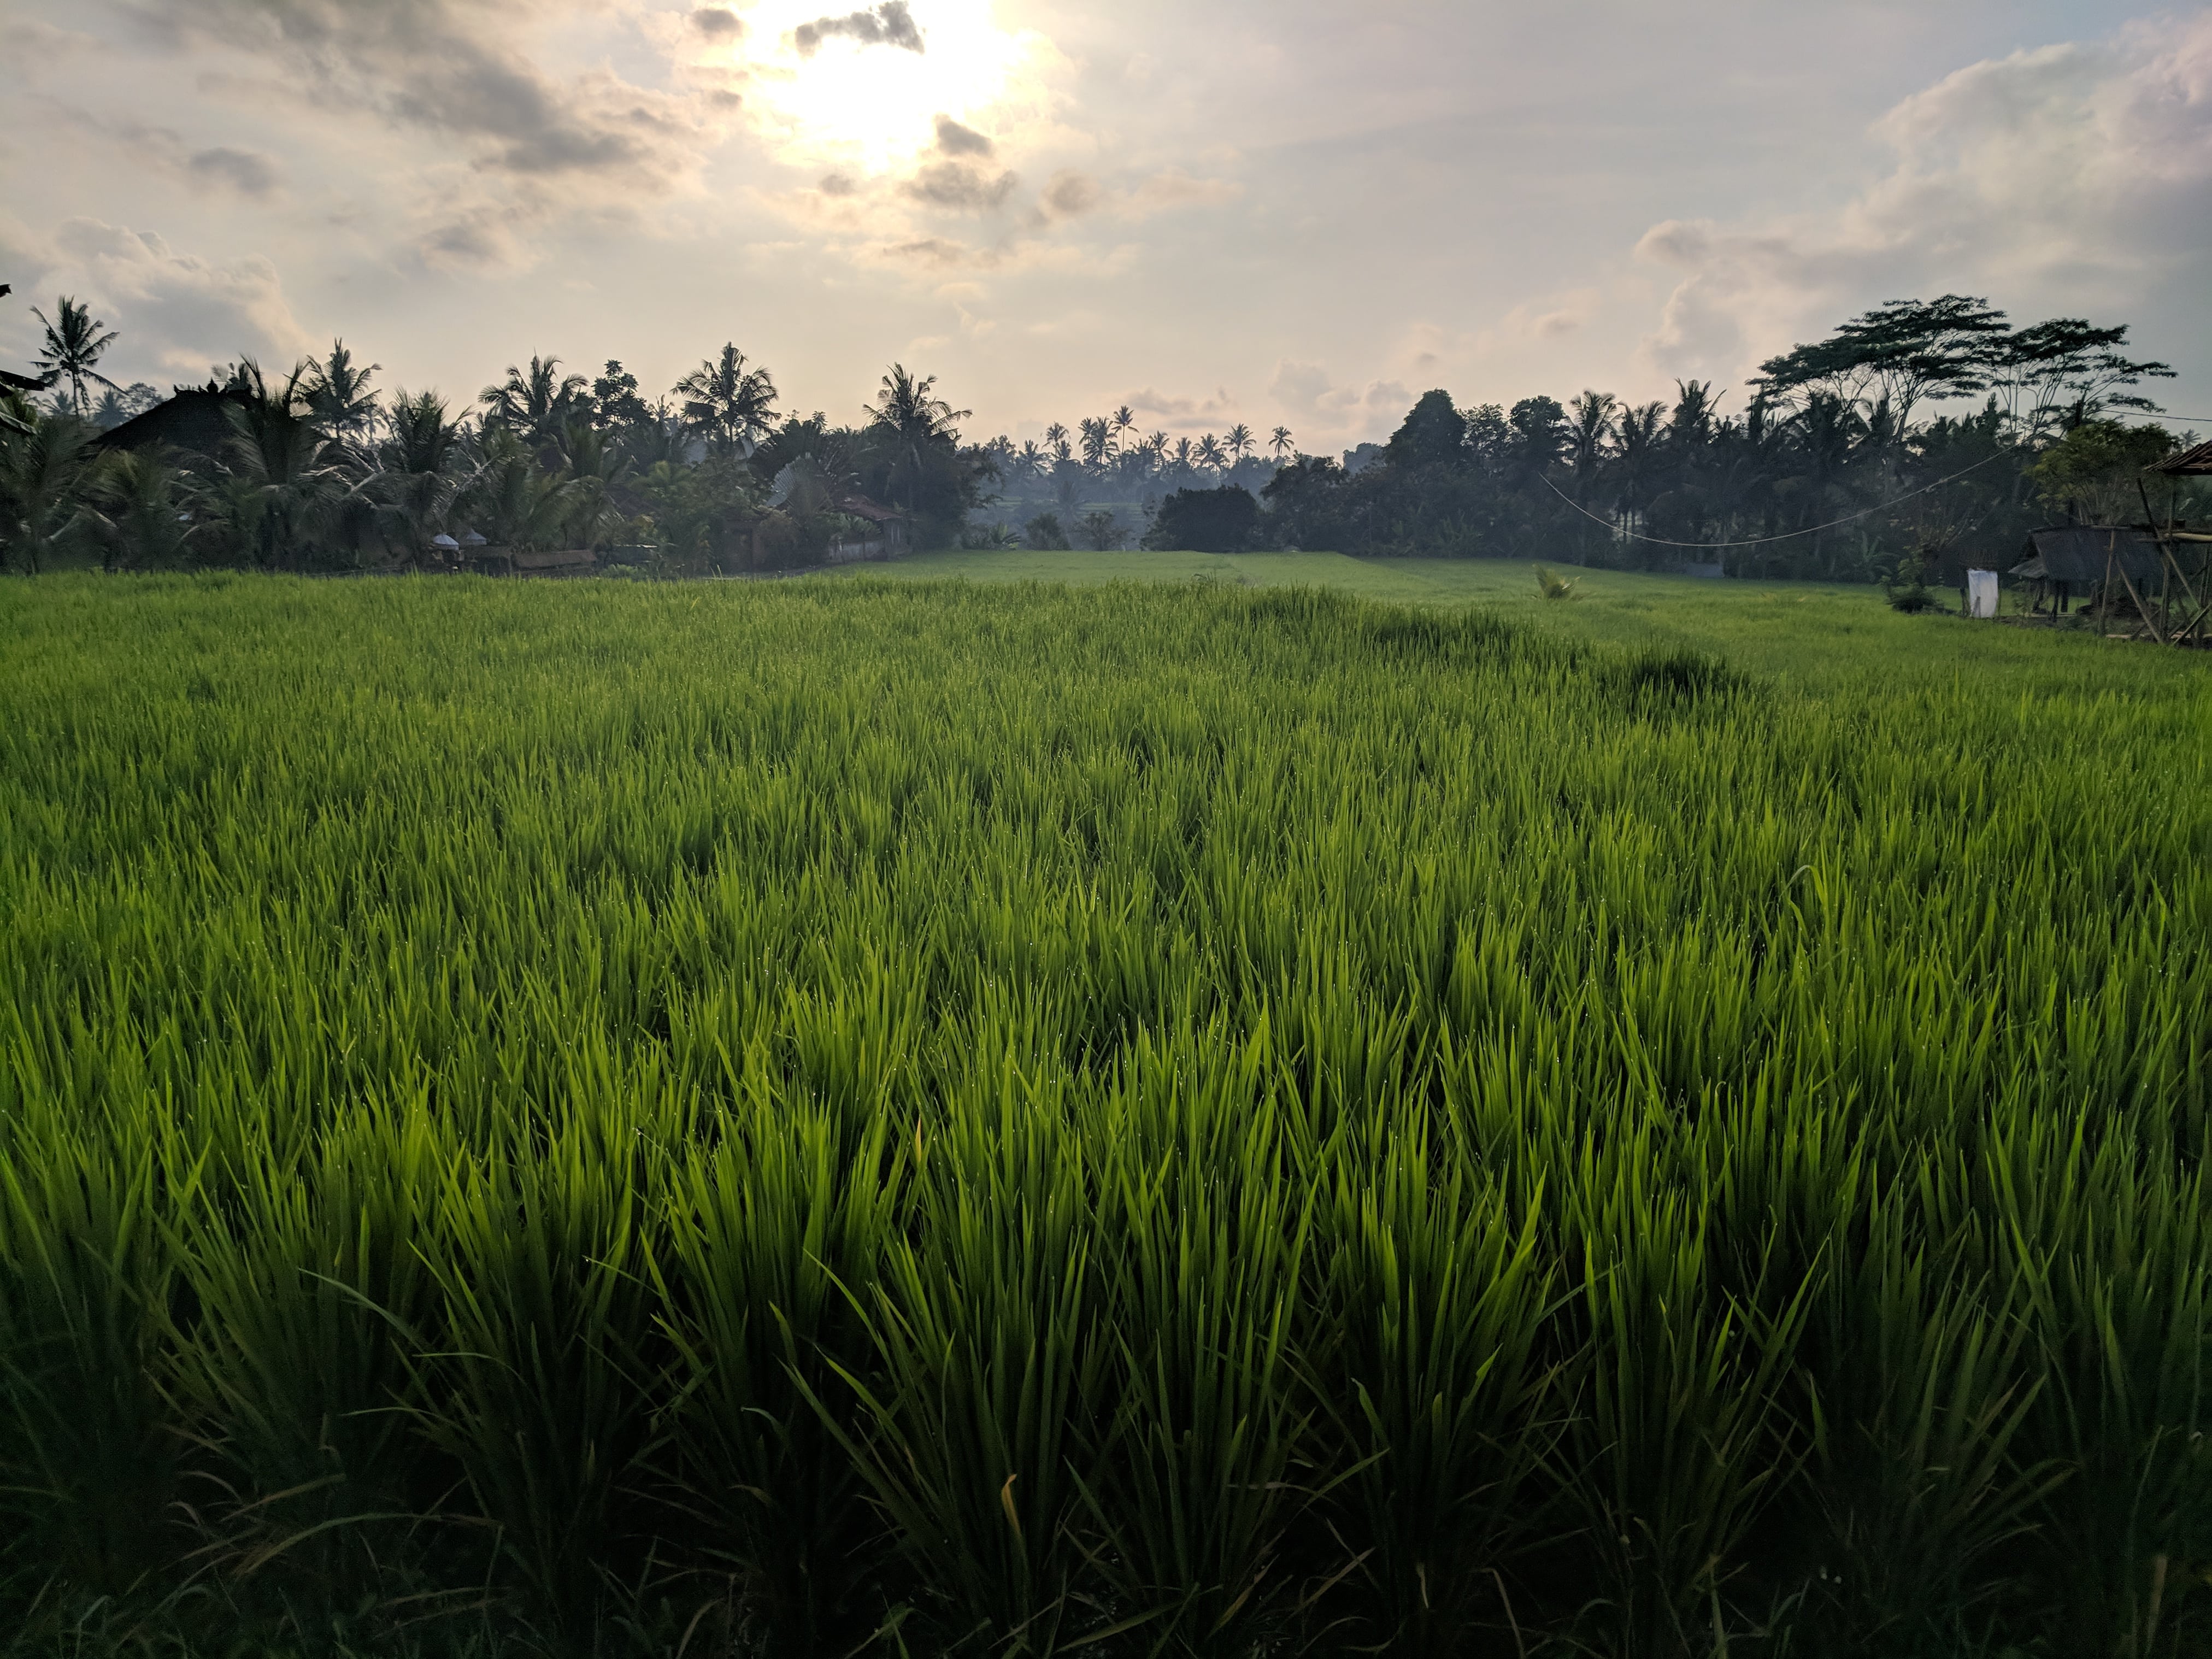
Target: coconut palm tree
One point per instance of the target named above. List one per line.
(1639, 430)
(1097, 440)
(420, 467)
(1124, 419)
(731, 406)
(535, 403)
(919, 428)
(1055, 440)
(1280, 441)
(283, 487)
(137, 512)
(73, 346)
(1589, 429)
(42, 476)
(1236, 442)
(1209, 454)
(511, 498)
(338, 393)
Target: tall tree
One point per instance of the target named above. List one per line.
(1097, 440)
(727, 403)
(1280, 441)
(534, 404)
(616, 403)
(1236, 442)
(1433, 433)
(1905, 350)
(72, 349)
(338, 392)
(420, 467)
(1210, 454)
(917, 435)
(2067, 371)
(42, 474)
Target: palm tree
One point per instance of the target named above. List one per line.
(41, 478)
(1237, 442)
(1209, 453)
(285, 487)
(1030, 461)
(1055, 440)
(1589, 425)
(419, 469)
(535, 403)
(511, 499)
(73, 346)
(1185, 456)
(1124, 419)
(732, 406)
(1280, 441)
(138, 514)
(337, 390)
(1097, 440)
(1640, 427)
(920, 429)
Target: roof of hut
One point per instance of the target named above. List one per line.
(2190, 463)
(2078, 553)
(193, 419)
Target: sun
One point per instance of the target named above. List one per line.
(873, 106)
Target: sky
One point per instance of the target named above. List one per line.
(1291, 213)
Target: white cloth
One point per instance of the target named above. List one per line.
(1981, 593)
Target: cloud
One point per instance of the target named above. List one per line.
(1149, 402)
(936, 253)
(248, 172)
(1174, 188)
(889, 24)
(2074, 178)
(718, 22)
(176, 313)
(961, 188)
(955, 140)
(458, 69)
(1307, 391)
(1071, 193)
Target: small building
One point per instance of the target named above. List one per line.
(196, 418)
(2067, 560)
(887, 536)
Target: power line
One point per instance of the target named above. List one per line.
(1787, 535)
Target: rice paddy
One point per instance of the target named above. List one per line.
(839, 1117)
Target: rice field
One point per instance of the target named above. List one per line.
(846, 1117)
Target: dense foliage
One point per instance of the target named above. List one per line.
(1921, 435)
(319, 472)
(838, 1118)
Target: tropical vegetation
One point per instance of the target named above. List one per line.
(1930, 433)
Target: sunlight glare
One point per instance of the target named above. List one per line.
(874, 106)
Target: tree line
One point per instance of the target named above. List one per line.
(317, 469)
(1916, 433)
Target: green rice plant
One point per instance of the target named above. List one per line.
(1922, 1383)
(1682, 1439)
(538, 1394)
(1203, 1251)
(1443, 1400)
(292, 1374)
(1392, 1127)
(988, 1407)
(771, 1232)
(88, 1453)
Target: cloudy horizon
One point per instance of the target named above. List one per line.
(1296, 215)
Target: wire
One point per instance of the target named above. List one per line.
(1787, 535)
